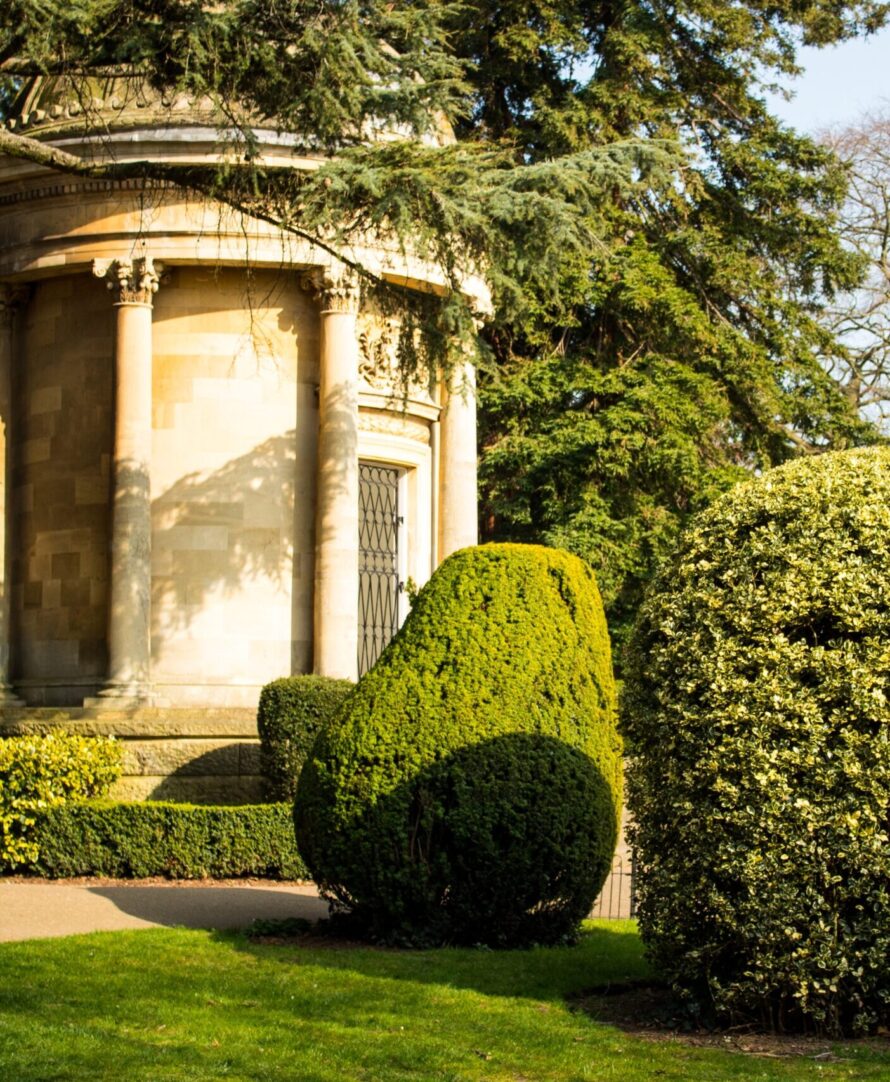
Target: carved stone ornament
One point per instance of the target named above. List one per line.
(394, 424)
(11, 299)
(335, 287)
(378, 365)
(135, 281)
(378, 341)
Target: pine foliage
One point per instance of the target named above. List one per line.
(659, 246)
(692, 351)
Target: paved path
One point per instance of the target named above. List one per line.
(44, 909)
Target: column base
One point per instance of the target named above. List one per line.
(8, 697)
(124, 697)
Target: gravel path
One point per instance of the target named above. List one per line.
(39, 909)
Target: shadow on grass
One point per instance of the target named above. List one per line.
(187, 1005)
(605, 953)
(181, 1004)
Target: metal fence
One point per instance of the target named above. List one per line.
(616, 899)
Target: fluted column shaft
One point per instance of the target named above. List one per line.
(11, 298)
(129, 621)
(458, 514)
(337, 525)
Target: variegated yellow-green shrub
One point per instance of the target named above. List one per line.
(469, 789)
(757, 717)
(38, 772)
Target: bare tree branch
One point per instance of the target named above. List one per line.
(860, 320)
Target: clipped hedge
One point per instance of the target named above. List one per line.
(757, 710)
(38, 772)
(470, 788)
(291, 713)
(180, 841)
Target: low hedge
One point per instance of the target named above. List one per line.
(179, 841)
(38, 772)
(291, 713)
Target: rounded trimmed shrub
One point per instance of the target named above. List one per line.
(470, 788)
(758, 723)
(291, 713)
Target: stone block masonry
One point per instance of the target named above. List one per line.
(199, 756)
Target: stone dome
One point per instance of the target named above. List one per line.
(48, 106)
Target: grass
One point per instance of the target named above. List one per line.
(174, 1004)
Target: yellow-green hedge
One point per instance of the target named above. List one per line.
(757, 712)
(38, 772)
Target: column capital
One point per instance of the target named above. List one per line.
(134, 281)
(335, 286)
(12, 297)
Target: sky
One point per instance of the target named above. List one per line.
(839, 84)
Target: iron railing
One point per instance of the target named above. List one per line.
(616, 900)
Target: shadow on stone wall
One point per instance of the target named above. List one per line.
(223, 529)
(250, 520)
(226, 774)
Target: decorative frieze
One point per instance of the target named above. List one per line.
(400, 425)
(378, 366)
(378, 343)
(81, 187)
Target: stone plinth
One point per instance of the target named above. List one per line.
(198, 756)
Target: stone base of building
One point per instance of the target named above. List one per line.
(199, 756)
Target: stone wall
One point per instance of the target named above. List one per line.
(233, 469)
(235, 422)
(61, 488)
(199, 756)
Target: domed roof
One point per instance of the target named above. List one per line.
(52, 106)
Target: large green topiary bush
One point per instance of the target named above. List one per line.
(469, 791)
(292, 712)
(757, 716)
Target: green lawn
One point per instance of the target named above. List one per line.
(164, 1005)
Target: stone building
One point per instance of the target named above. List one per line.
(211, 476)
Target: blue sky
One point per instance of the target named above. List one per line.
(839, 84)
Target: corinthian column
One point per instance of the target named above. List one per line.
(11, 297)
(458, 514)
(336, 525)
(133, 284)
